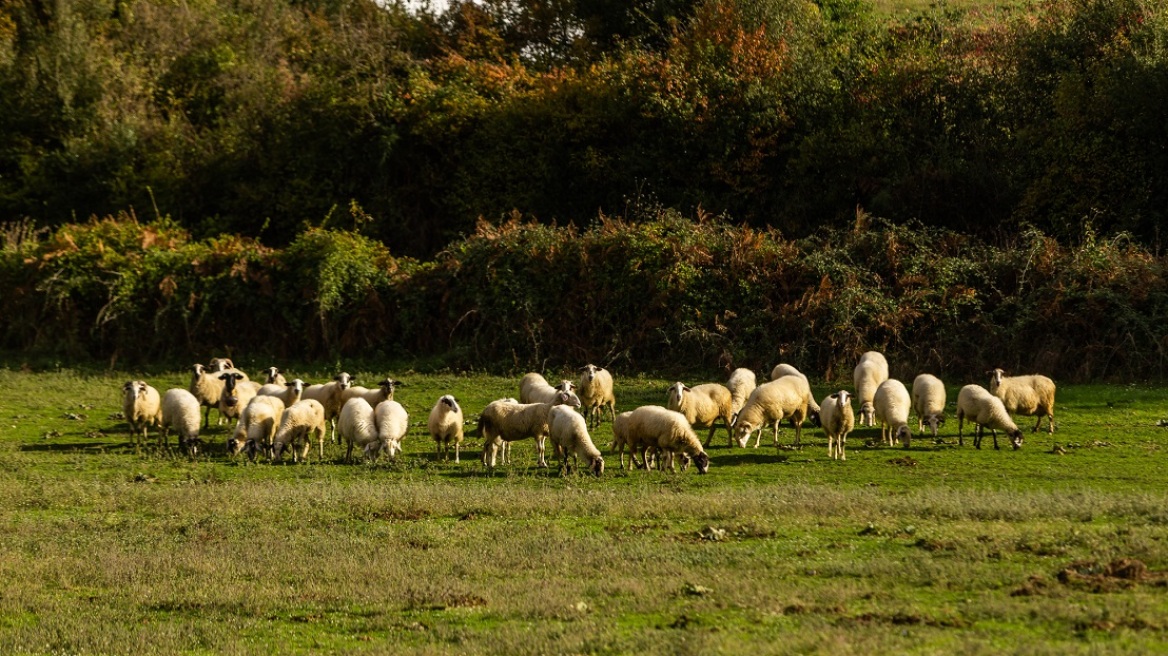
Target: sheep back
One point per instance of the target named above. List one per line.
(770, 403)
(741, 383)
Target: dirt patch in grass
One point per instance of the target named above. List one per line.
(1092, 576)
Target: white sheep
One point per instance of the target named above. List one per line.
(503, 421)
(770, 403)
(869, 373)
(384, 392)
(207, 388)
(392, 424)
(445, 424)
(620, 440)
(329, 395)
(892, 403)
(703, 405)
(595, 390)
(1026, 395)
(783, 370)
(987, 411)
(237, 393)
(928, 402)
(301, 420)
(665, 431)
(568, 431)
(837, 420)
(180, 411)
(356, 426)
(741, 383)
(256, 428)
(289, 392)
(533, 388)
(142, 407)
(273, 376)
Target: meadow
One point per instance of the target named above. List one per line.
(934, 549)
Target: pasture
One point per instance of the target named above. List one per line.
(934, 549)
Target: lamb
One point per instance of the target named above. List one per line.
(769, 404)
(273, 376)
(569, 433)
(503, 421)
(987, 411)
(445, 424)
(1026, 395)
(257, 427)
(142, 407)
(533, 388)
(869, 373)
(301, 420)
(782, 370)
(384, 392)
(180, 411)
(289, 393)
(837, 420)
(664, 430)
(329, 397)
(595, 393)
(928, 401)
(392, 424)
(892, 403)
(237, 393)
(703, 405)
(741, 383)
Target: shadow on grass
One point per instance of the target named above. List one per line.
(749, 456)
(88, 445)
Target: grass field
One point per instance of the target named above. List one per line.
(937, 549)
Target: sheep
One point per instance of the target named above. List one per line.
(837, 420)
(782, 370)
(257, 427)
(741, 383)
(357, 426)
(533, 388)
(569, 434)
(869, 373)
(220, 365)
(703, 405)
(503, 421)
(769, 404)
(207, 388)
(595, 393)
(892, 403)
(329, 397)
(392, 424)
(987, 411)
(300, 420)
(142, 407)
(180, 411)
(237, 393)
(666, 431)
(289, 393)
(620, 439)
(928, 401)
(272, 376)
(384, 392)
(1026, 395)
(445, 424)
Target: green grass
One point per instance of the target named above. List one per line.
(954, 550)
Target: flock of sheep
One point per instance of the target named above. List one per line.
(285, 415)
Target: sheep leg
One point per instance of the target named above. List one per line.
(456, 445)
(994, 432)
(842, 441)
(539, 448)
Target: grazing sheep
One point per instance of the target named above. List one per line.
(987, 411)
(782, 370)
(237, 393)
(595, 393)
(357, 426)
(703, 405)
(869, 373)
(1026, 395)
(533, 388)
(289, 393)
(892, 403)
(741, 383)
(502, 422)
(569, 433)
(392, 424)
(837, 420)
(928, 401)
(445, 426)
(180, 411)
(666, 431)
(273, 376)
(329, 395)
(620, 439)
(384, 392)
(142, 407)
(301, 420)
(770, 403)
(257, 427)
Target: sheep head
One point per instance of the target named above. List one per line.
(344, 380)
(742, 431)
(597, 466)
(676, 391)
(271, 373)
(995, 379)
(567, 398)
(450, 402)
(903, 435)
(702, 462)
(1015, 438)
(845, 398)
